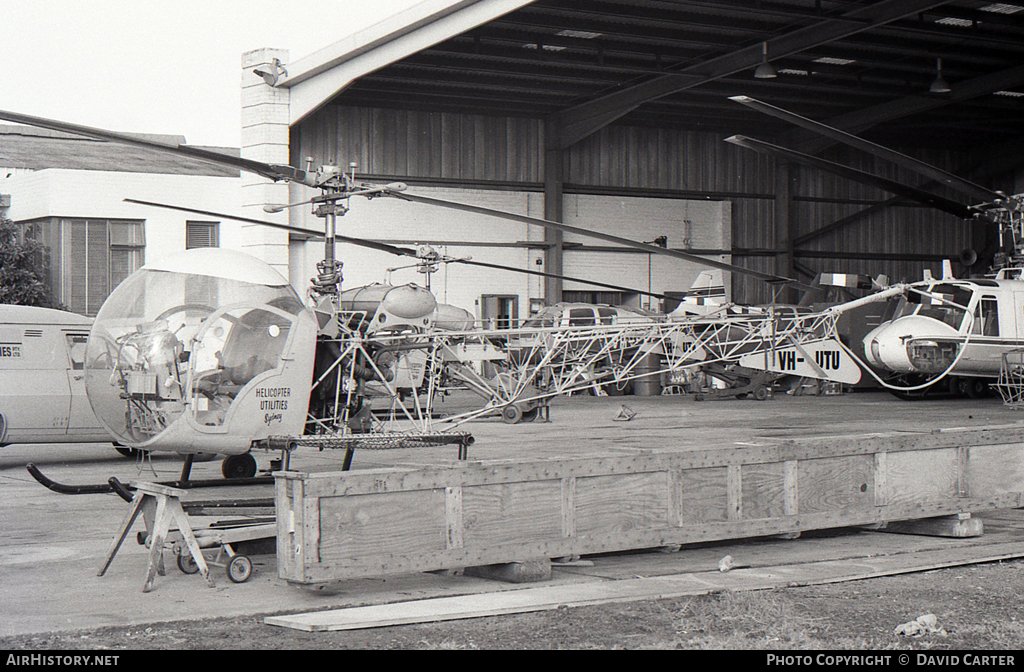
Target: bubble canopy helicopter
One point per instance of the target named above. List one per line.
(193, 350)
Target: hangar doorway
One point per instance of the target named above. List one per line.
(499, 311)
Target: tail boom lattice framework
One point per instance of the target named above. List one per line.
(517, 371)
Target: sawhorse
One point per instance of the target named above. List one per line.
(160, 506)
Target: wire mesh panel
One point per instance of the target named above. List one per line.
(1011, 379)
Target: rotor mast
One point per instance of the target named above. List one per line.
(333, 201)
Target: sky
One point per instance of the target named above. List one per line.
(158, 66)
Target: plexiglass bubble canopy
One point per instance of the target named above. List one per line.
(204, 351)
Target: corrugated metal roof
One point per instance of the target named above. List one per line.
(37, 149)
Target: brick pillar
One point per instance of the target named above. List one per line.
(264, 138)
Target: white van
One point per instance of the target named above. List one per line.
(42, 378)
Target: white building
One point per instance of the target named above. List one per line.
(69, 193)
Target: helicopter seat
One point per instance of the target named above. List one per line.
(213, 397)
(254, 346)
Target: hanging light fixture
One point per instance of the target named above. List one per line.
(765, 70)
(940, 85)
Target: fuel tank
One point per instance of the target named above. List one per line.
(452, 318)
(378, 306)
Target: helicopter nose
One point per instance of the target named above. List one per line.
(886, 349)
(911, 344)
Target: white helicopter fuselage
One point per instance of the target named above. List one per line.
(966, 333)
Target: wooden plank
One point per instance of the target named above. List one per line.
(509, 512)
(836, 483)
(881, 475)
(453, 517)
(734, 492)
(704, 495)
(399, 523)
(958, 526)
(996, 469)
(922, 476)
(763, 490)
(963, 459)
(675, 498)
(791, 488)
(568, 487)
(617, 503)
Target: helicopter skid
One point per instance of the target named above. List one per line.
(120, 489)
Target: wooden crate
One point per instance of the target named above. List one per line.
(374, 523)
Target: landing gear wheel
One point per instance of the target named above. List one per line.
(511, 414)
(239, 466)
(239, 569)
(761, 393)
(531, 414)
(976, 388)
(186, 563)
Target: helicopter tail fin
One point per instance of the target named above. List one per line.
(707, 293)
(947, 270)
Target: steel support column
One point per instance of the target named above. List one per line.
(554, 161)
(785, 224)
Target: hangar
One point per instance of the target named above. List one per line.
(612, 115)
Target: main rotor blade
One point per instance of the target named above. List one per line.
(559, 277)
(385, 247)
(566, 228)
(912, 193)
(271, 171)
(208, 213)
(967, 187)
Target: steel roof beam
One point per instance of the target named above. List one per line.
(868, 117)
(581, 120)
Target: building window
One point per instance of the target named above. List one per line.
(201, 289)
(87, 258)
(202, 234)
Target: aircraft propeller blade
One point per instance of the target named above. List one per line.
(208, 213)
(967, 187)
(271, 171)
(906, 191)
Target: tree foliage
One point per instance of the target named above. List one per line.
(21, 279)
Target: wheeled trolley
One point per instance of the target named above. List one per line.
(238, 566)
